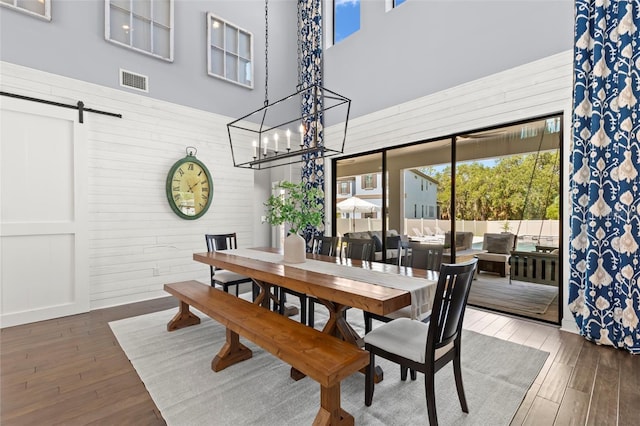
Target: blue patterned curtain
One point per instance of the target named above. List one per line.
(310, 72)
(604, 284)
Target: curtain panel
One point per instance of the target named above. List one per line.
(604, 282)
(309, 72)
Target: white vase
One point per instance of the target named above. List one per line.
(294, 249)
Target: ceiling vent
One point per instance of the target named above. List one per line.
(134, 81)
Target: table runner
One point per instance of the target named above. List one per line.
(422, 290)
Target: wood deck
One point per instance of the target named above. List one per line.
(72, 370)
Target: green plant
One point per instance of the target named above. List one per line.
(297, 205)
(506, 226)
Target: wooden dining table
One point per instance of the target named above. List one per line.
(337, 293)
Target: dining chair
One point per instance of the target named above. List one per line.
(415, 255)
(359, 248)
(216, 242)
(355, 248)
(327, 246)
(425, 256)
(427, 347)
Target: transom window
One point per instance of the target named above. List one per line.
(142, 25)
(39, 8)
(346, 18)
(230, 52)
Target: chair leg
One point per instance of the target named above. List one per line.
(367, 322)
(303, 309)
(255, 290)
(403, 373)
(312, 312)
(414, 376)
(457, 372)
(368, 380)
(431, 396)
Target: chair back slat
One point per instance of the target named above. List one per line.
(450, 301)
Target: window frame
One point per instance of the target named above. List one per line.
(107, 29)
(369, 181)
(223, 48)
(14, 6)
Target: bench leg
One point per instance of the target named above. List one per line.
(184, 318)
(330, 412)
(231, 353)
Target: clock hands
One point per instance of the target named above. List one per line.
(191, 186)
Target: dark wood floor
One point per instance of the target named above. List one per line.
(72, 371)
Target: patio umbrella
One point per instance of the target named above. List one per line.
(355, 205)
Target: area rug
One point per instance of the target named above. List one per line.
(524, 297)
(176, 369)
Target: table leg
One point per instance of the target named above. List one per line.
(266, 296)
(184, 318)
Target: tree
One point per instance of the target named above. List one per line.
(515, 187)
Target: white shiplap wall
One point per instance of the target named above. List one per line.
(136, 242)
(538, 88)
(135, 235)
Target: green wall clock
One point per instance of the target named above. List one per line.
(189, 186)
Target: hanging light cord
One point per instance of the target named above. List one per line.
(266, 52)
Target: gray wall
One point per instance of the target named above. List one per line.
(425, 46)
(72, 44)
(419, 48)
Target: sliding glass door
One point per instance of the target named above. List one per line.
(492, 194)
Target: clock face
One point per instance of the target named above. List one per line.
(189, 188)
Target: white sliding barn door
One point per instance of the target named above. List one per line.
(43, 212)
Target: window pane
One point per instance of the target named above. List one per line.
(141, 34)
(122, 4)
(32, 6)
(346, 18)
(142, 8)
(397, 3)
(245, 72)
(217, 36)
(231, 39)
(217, 61)
(231, 71)
(162, 12)
(119, 26)
(161, 45)
(245, 45)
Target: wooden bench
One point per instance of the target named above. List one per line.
(324, 358)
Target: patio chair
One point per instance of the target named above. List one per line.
(428, 347)
(498, 251)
